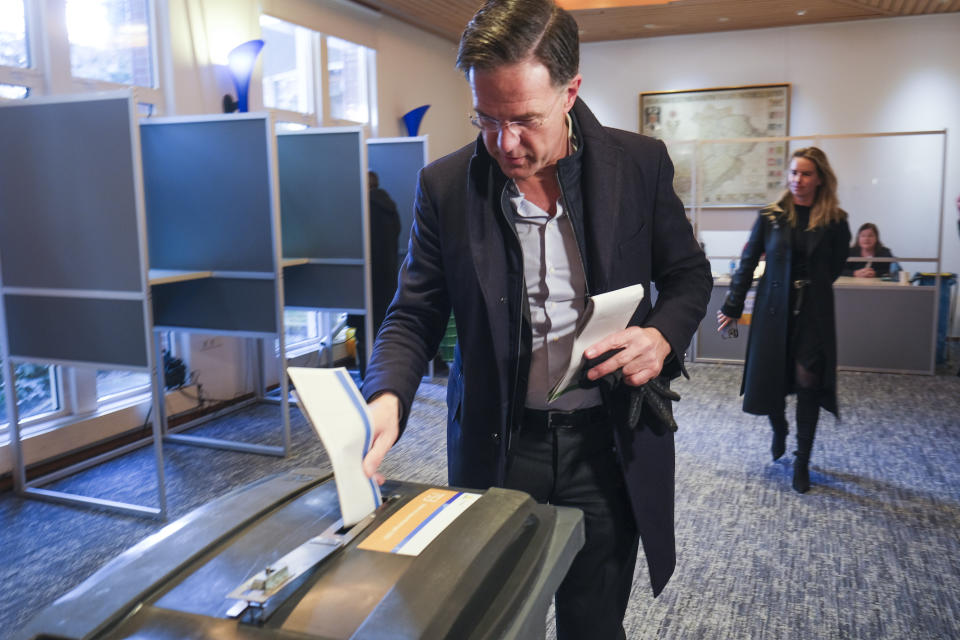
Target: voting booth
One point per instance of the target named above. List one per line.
(271, 561)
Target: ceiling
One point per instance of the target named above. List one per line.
(601, 20)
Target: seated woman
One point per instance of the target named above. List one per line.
(868, 245)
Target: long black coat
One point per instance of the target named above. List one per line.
(765, 381)
(464, 254)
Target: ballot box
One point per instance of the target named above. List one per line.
(271, 560)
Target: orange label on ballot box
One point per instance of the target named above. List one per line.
(418, 522)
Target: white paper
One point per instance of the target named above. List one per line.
(336, 410)
(604, 314)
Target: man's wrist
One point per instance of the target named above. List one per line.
(388, 397)
(662, 346)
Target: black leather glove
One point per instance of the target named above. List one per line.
(655, 395)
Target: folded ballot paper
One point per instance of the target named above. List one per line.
(338, 413)
(605, 313)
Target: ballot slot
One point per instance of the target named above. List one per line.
(205, 588)
(263, 593)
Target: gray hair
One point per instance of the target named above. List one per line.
(511, 31)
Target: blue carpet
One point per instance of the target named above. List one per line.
(872, 551)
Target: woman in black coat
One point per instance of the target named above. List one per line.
(793, 344)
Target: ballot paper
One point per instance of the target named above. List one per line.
(604, 314)
(336, 410)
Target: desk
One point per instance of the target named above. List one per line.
(881, 326)
(169, 276)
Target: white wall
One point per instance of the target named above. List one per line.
(900, 74)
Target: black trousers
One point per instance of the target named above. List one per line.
(577, 467)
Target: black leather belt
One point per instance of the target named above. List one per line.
(539, 420)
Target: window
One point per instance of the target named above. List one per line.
(349, 68)
(14, 51)
(290, 126)
(302, 328)
(328, 80)
(287, 76)
(110, 41)
(13, 92)
(36, 391)
(112, 385)
(17, 78)
(98, 45)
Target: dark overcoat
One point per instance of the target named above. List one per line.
(464, 254)
(765, 373)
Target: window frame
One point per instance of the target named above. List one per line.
(60, 391)
(31, 76)
(48, 46)
(321, 85)
(144, 95)
(370, 62)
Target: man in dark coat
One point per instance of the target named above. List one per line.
(512, 232)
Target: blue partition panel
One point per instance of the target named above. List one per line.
(67, 199)
(77, 330)
(217, 304)
(324, 286)
(321, 194)
(397, 163)
(207, 190)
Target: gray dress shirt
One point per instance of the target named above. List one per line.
(556, 289)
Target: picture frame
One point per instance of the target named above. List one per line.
(742, 171)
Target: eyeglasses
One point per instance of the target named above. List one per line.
(517, 127)
(492, 125)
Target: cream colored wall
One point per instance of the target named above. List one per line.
(413, 67)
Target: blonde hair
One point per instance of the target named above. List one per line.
(826, 207)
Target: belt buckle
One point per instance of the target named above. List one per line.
(560, 420)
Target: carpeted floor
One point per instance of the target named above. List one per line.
(873, 551)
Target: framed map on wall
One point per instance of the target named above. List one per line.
(743, 171)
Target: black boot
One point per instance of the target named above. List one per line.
(808, 411)
(801, 472)
(779, 444)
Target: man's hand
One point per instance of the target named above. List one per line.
(723, 320)
(385, 411)
(644, 350)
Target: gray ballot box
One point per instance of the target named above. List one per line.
(490, 572)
